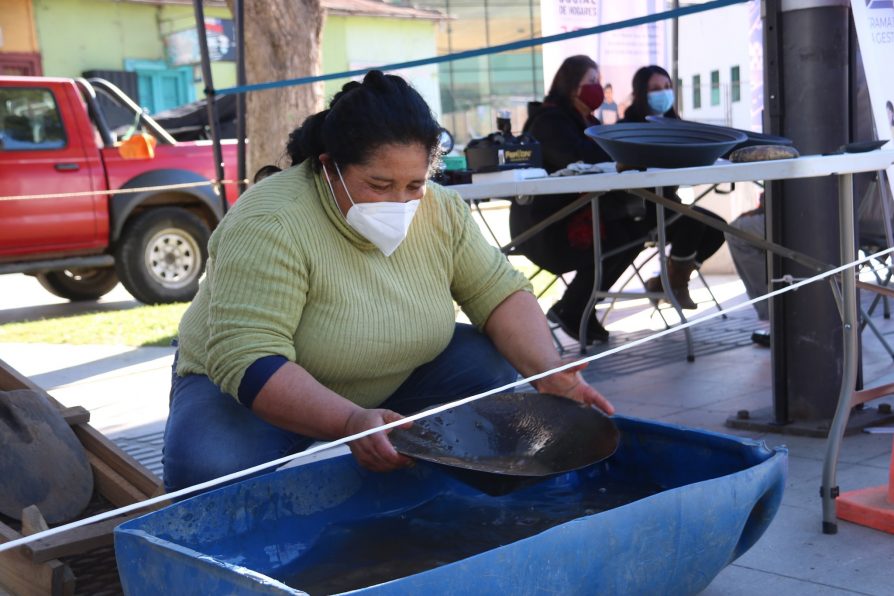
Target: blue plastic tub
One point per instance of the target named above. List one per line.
(663, 515)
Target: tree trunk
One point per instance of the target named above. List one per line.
(282, 41)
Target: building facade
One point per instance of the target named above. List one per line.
(716, 86)
(150, 48)
(19, 48)
(474, 89)
(153, 45)
(367, 33)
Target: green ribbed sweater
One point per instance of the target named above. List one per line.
(287, 276)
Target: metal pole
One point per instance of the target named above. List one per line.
(240, 98)
(209, 100)
(487, 61)
(772, 120)
(535, 90)
(454, 126)
(807, 101)
(675, 58)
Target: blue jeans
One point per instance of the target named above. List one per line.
(209, 434)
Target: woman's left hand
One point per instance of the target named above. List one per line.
(375, 451)
(571, 384)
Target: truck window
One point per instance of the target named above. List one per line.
(29, 120)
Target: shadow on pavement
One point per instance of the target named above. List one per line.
(53, 311)
(102, 365)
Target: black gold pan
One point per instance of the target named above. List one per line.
(507, 440)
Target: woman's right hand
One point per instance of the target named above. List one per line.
(375, 451)
(570, 383)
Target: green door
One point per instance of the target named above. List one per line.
(161, 87)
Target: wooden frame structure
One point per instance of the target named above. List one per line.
(36, 568)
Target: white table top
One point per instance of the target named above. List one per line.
(722, 171)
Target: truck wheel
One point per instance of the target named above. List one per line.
(79, 284)
(161, 255)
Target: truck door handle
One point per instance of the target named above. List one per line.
(67, 167)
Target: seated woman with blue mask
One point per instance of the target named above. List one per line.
(692, 242)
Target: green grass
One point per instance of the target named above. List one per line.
(157, 325)
(141, 326)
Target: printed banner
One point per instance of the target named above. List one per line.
(756, 64)
(874, 21)
(183, 46)
(618, 53)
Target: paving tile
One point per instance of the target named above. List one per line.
(712, 337)
(805, 478)
(705, 419)
(640, 410)
(856, 559)
(802, 484)
(749, 400)
(857, 476)
(864, 447)
(858, 448)
(690, 393)
(737, 580)
(805, 447)
(145, 448)
(882, 461)
(127, 396)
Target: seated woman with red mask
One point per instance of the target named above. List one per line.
(567, 245)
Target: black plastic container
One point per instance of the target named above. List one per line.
(654, 145)
(751, 138)
(499, 151)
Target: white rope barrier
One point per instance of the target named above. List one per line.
(418, 416)
(120, 191)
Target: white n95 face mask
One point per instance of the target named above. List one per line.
(385, 223)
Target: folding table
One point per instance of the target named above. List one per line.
(647, 184)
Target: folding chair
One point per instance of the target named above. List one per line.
(600, 257)
(650, 243)
(636, 273)
(658, 237)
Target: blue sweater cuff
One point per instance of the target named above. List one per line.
(256, 376)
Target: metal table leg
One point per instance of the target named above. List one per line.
(829, 490)
(597, 273)
(597, 277)
(665, 279)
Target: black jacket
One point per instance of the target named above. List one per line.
(560, 131)
(559, 128)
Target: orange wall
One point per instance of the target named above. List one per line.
(17, 27)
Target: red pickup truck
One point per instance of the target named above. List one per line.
(54, 141)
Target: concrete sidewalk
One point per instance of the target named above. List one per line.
(126, 391)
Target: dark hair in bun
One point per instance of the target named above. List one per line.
(383, 110)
